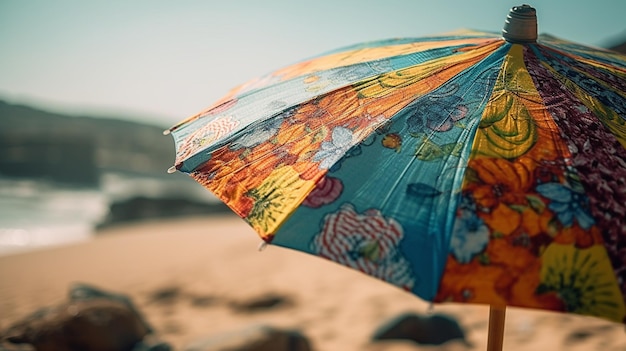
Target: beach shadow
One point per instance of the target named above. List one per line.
(168, 296)
(581, 335)
(266, 302)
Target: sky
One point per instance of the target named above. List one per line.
(160, 61)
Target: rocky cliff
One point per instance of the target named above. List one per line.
(36, 143)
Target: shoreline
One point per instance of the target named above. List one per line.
(208, 265)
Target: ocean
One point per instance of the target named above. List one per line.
(36, 214)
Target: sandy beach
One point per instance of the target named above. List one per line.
(188, 276)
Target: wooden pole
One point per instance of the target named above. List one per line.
(495, 339)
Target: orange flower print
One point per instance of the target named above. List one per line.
(500, 189)
(228, 177)
(498, 180)
(503, 273)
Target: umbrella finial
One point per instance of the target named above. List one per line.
(520, 25)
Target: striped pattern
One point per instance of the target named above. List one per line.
(367, 242)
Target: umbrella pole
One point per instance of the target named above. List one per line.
(495, 337)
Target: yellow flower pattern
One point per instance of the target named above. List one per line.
(583, 279)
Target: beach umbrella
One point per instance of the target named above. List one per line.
(466, 167)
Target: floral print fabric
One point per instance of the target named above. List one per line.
(460, 168)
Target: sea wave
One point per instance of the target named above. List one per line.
(37, 214)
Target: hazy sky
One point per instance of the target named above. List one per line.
(164, 60)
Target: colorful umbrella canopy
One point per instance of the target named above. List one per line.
(466, 167)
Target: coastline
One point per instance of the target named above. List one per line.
(209, 264)
(41, 214)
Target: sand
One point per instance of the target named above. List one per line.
(188, 276)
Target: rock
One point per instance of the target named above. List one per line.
(255, 338)
(92, 325)
(92, 320)
(5, 346)
(85, 292)
(151, 343)
(426, 330)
